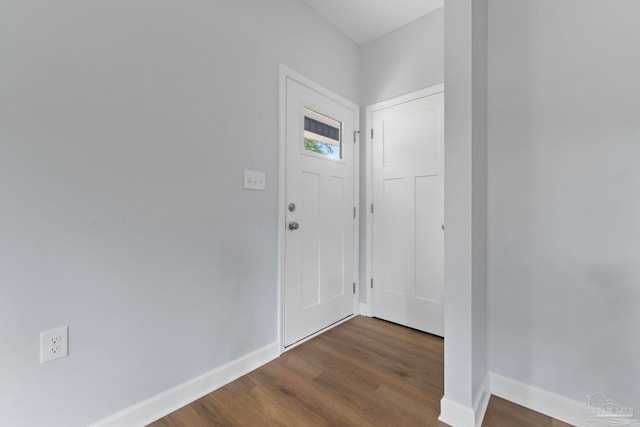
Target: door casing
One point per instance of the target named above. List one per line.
(288, 73)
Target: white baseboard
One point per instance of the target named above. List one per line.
(482, 400)
(539, 400)
(156, 407)
(456, 414)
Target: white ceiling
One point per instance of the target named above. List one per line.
(365, 20)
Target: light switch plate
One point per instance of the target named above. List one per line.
(255, 180)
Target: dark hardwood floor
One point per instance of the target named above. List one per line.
(365, 372)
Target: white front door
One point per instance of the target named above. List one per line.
(408, 211)
(319, 267)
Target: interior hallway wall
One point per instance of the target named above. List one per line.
(125, 128)
(465, 242)
(564, 210)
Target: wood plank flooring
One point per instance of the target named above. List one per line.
(502, 413)
(365, 372)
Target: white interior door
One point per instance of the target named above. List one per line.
(320, 193)
(408, 213)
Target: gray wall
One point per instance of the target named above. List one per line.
(403, 61)
(124, 131)
(479, 149)
(564, 204)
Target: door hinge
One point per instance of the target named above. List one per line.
(372, 283)
(371, 133)
(354, 287)
(354, 212)
(355, 132)
(371, 207)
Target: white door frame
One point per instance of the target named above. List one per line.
(288, 73)
(422, 93)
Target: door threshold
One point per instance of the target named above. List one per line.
(320, 332)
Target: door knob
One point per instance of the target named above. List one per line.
(293, 226)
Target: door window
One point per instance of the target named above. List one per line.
(322, 135)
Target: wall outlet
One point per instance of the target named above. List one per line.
(54, 344)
